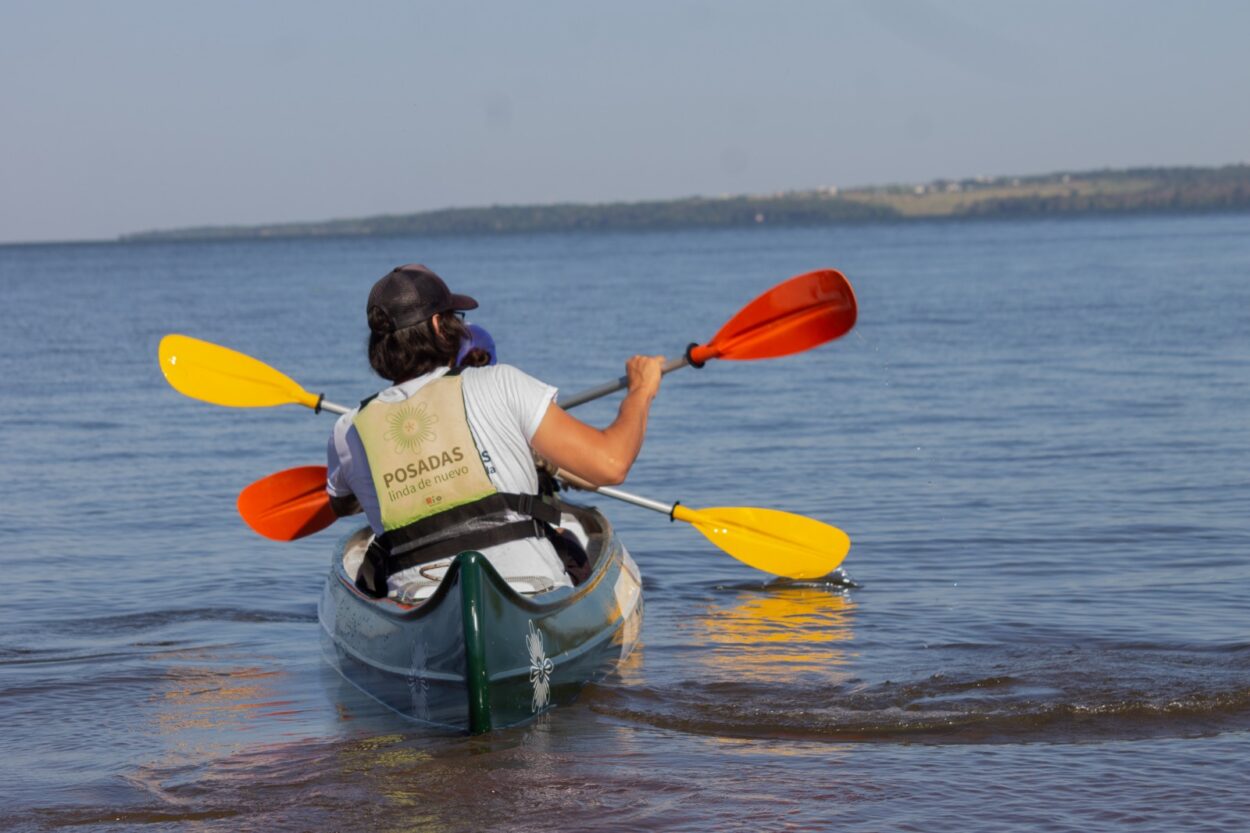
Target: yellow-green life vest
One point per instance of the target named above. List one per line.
(435, 497)
(421, 453)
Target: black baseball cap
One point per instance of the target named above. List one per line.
(412, 294)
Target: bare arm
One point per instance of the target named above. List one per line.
(603, 456)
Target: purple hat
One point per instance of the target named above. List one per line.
(478, 337)
(412, 294)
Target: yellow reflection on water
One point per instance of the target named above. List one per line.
(775, 632)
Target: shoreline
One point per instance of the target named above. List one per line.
(1177, 191)
(1136, 191)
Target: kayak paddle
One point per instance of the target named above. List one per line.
(293, 503)
(781, 543)
(795, 315)
(212, 373)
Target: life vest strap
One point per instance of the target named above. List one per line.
(473, 526)
(477, 540)
(399, 541)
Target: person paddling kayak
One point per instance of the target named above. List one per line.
(441, 461)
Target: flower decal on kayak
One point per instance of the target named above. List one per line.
(409, 427)
(540, 669)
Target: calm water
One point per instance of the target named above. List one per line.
(1038, 438)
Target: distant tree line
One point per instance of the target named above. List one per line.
(1167, 190)
(1123, 191)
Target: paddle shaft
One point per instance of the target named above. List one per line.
(645, 503)
(617, 384)
(573, 401)
(579, 399)
(586, 485)
(334, 409)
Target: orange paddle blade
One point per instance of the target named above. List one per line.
(288, 504)
(793, 316)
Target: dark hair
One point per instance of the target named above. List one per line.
(400, 355)
(476, 357)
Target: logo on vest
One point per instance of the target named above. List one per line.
(409, 427)
(428, 465)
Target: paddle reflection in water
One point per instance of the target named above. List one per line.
(777, 632)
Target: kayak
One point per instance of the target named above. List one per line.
(465, 649)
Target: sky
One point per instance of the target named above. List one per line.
(133, 115)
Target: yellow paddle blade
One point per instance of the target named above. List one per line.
(206, 371)
(775, 542)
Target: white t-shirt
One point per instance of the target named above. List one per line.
(505, 407)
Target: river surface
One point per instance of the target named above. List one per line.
(1037, 437)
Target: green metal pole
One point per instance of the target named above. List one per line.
(476, 678)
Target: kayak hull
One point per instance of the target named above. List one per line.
(477, 655)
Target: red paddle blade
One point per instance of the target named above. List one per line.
(795, 315)
(288, 504)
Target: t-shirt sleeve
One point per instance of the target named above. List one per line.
(338, 459)
(527, 397)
